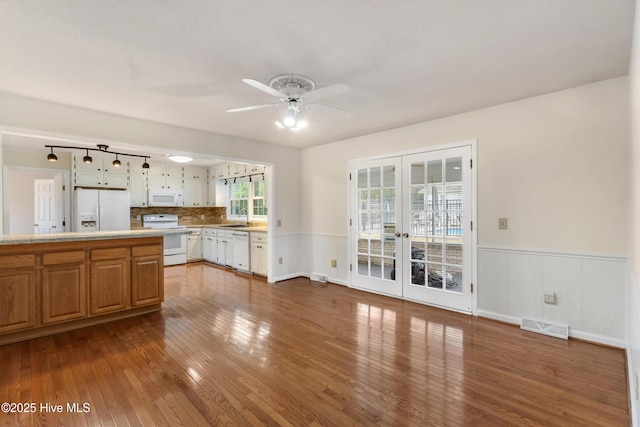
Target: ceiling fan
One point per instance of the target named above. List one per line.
(296, 92)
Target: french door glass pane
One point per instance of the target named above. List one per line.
(436, 223)
(377, 220)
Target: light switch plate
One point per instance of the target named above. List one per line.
(502, 223)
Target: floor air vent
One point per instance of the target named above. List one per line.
(317, 277)
(545, 327)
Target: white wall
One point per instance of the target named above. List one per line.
(555, 165)
(632, 296)
(28, 113)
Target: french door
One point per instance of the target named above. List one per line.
(411, 227)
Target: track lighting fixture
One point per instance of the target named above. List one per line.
(87, 159)
(52, 157)
(101, 148)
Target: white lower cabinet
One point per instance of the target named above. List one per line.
(259, 253)
(210, 245)
(225, 248)
(194, 244)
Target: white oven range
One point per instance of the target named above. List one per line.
(175, 247)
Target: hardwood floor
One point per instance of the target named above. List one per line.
(234, 350)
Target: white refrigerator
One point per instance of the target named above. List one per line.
(101, 210)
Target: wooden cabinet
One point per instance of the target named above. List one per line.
(54, 286)
(109, 280)
(147, 275)
(259, 253)
(17, 292)
(64, 286)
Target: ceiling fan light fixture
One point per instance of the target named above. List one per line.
(301, 124)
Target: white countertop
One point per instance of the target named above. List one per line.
(258, 229)
(18, 239)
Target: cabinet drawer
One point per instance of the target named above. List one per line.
(67, 257)
(17, 261)
(259, 237)
(138, 251)
(109, 253)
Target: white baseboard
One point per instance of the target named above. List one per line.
(289, 276)
(586, 336)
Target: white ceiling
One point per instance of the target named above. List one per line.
(406, 61)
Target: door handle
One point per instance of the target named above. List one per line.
(397, 234)
(405, 235)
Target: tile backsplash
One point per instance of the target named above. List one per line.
(186, 216)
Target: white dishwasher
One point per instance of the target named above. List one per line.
(241, 251)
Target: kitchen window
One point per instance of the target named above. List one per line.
(247, 200)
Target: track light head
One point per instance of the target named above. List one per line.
(145, 165)
(52, 157)
(87, 159)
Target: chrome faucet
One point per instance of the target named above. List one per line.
(246, 212)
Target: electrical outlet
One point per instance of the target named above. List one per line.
(202, 216)
(280, 260)
(138, 218)
(502, 223)
(549, 297)
(334, 263)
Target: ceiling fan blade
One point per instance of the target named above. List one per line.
(252, 107)
(334, 108)
(314, 95)
(263, 87)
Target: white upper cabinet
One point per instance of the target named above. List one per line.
(220, 170)
(195, 192)
(165, 175)
(195, 172)
(100, 172)
(165, 169)
(237, 169)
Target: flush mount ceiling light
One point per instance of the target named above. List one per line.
(179, 159)
(88, 159)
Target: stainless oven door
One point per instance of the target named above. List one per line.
(175, 244)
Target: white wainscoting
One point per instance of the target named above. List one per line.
(317, 251)
(287, 247)
(590, 294)
(632, 310)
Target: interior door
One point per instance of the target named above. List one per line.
(375, 257)
(45, 209)
(437, 228)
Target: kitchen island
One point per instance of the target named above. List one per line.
(51, 283)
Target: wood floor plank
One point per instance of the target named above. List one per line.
(229, 349)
